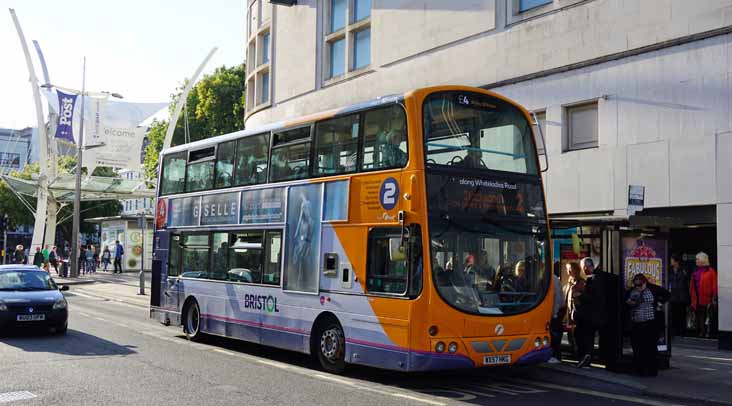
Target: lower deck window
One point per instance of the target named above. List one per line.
(387, 269)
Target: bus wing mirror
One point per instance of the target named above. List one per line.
(397, 250)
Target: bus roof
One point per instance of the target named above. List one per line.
(380, 101)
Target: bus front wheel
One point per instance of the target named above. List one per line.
(331, 347)
(192, 322)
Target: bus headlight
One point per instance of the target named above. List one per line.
(452, 348)
(546, 341)
(440, 347)
(537, 342)
(3, 306)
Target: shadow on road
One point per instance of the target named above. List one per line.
(74, 342)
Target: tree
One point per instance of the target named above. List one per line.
(215, 106)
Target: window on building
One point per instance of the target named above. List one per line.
(386, 273)
(251, 160)
(291, 155)
(582, 126)
(259, 55)
(348, 38)
(541, 118)
(336, 145)
(385, 139)
(174, 173)
(525, 5)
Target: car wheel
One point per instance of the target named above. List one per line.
(331, 348)
(192, 322)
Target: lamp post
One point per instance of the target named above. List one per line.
(75, 237)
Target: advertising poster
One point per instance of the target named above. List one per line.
(644, 256)
(263, 206)
(184, 211)
(220, 209)
(302, 238)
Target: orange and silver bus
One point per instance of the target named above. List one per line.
(408, 233)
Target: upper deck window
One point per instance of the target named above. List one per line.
(251, 160)
(385, 139)
(336, 146)
(174, 174)
(200, 170)
(291, 155)
(476, 131)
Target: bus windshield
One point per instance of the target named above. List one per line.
(476, 131)
(491, 269)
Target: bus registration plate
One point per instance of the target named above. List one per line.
(31, 317)
(497, 359)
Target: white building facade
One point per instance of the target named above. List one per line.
(628, 92)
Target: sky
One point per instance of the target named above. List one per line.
(142, 49)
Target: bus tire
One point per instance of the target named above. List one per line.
(192, 321)
(330, 346)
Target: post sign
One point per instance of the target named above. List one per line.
(636, 198)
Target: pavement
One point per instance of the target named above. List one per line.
(699, 374)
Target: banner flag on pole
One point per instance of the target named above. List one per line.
(66, 103)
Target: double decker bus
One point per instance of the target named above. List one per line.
(408, 233)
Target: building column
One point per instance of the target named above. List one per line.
(724, 273)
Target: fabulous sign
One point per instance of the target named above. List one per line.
(64, 129)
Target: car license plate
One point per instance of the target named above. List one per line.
(497, 359)
(31, 317)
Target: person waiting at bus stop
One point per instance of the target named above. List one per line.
(643, 299)
(591, 313)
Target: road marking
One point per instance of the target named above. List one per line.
(335, 379)
(708, 369)
(223, 351)
(417, 399)
(273, 364)
(109, 299)
(709, 358)
(598, 394)
(15, 396)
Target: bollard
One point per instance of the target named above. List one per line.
(142, 284)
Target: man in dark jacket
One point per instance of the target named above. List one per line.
(678, 284)
(592, 311)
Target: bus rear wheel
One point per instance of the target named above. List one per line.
(192, 322)
(331, 347)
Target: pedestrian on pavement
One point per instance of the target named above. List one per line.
(90, 263)
(591, 311)
(95, 257)
(82, 259)
(38, 258)
(119, 251)
(572, 291)
(53, 259)
(559, 308)
(704, 295)
(678, 285)
(106, 257)
(46, 251)
(643, 299)
(19, 256)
